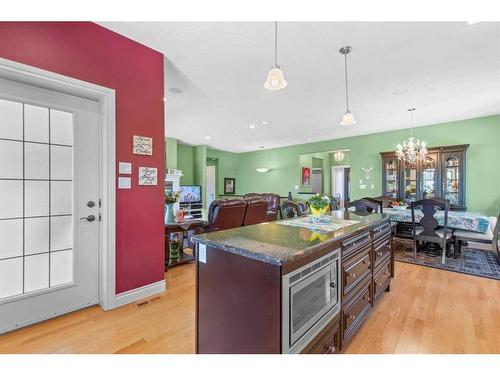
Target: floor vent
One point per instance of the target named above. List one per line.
(147, 302)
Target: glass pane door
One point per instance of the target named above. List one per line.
(410, 182)
(452, 179)
(391, 178)
(36, 198)
(429, 174)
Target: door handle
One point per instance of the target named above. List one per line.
(88, 218)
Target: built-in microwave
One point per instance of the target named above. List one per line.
(310, 299)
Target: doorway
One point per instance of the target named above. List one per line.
(210, 180)
(340, 184)
(49, 203)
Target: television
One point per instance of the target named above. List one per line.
(190, 194)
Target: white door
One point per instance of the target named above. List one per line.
(49, 181)
(338, 184)
(317, 181)
(210, 182)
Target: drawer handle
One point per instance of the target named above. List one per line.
(352, 317)
(352, 274)
(367, 299)
(379, 253)
(333, 349)
(366, 261)
(379, 284)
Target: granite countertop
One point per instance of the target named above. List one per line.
(279, 244)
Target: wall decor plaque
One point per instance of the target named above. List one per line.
(148, 176)
(142, 145)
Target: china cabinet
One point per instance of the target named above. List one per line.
(441, 174)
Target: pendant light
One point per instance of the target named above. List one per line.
(275, 78)
(348, 118)
(260, 168)
(412, 149)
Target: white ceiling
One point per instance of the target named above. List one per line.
(451, 71)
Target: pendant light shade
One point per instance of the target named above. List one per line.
(260, 167)
(348, 118)
(275, 78)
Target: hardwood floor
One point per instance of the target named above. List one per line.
(427, 311)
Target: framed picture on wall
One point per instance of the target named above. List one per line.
(306, 176)
(229, 185)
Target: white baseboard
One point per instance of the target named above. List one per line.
(140, 293)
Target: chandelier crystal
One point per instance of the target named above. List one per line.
(412, 149)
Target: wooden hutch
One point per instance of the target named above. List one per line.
(441, 174)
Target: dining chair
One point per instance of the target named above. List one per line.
(428, 230)
(492, 236)
(376, 201)
(289, 209)
(302, 208)
(364, 207)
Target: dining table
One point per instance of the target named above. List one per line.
(465, 220)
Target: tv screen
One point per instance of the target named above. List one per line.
(190, 193)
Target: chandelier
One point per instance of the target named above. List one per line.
(338, 156)
(412, 149)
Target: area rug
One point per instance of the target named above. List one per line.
(472, 261)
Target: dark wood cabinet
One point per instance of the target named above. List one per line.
(441, 175)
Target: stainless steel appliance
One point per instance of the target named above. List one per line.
(311, 298)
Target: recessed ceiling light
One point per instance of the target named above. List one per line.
(265, 123)
(472, 22)
(308, 139)
(175, 90)
(251, 126)
(207, 138)
(400, 92)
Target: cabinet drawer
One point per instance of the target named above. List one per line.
(381, 280)
(355, 311)
(355, 269)
(328, 343)
(382, 249)
(381, 230)
(351, 245)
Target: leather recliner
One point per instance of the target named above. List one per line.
(273, 203)
(256, 212)
(226, 214)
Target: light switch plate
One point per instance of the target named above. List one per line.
(202, 253)
(124, 168)
(372, 186)
(362, 187)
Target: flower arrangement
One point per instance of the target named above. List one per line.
(319, 205)
(171, 197)
(319, 202)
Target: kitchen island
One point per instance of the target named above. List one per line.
(293, 286)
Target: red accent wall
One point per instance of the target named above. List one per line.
(94, 54)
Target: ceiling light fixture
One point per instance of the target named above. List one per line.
(348, 118)
(338, 156)
(265, 123)
(207, 138)
(412, 149)
(275, 78)
(260, 168)
(251, 126)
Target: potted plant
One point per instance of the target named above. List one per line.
(170, 199)
(319, 205)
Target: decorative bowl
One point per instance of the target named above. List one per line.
(319, 212)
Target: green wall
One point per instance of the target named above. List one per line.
(171, 153)
(185, 162)
(483, 173)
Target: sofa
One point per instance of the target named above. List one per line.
(273, 203)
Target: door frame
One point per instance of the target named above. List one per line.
(105, 97)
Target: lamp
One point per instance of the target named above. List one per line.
(412, 149)
(275, 78)
(348, 118)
